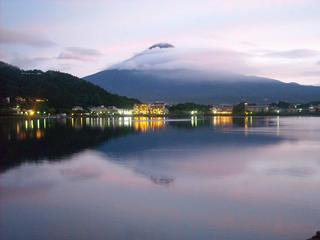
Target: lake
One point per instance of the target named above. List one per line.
(154, 178)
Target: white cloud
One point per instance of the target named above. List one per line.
(217, 60)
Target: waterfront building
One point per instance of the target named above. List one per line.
(112, 110)
(100, 110)
(141, 109)
(156, 108)
(125, 112)
(222, 109)
(255, 108)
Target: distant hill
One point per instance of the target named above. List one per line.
(62, 90)
(158, 73)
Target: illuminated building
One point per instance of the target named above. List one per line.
(29, 106)
(141, 109)
(155, 109)
(100, 110)
(110, 110)
(158, 108)
(125, 112)
(29, 112)
(222, 110)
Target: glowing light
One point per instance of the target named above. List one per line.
(18, 128)
(194, 112)
(141, 109)
(39, 134)
(144, 124)
(222, 110)
(156, 108)
(127, 121)
(194, 121)
(222, 121)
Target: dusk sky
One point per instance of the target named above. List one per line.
(275, 38)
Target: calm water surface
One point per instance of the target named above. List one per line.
(215, 178)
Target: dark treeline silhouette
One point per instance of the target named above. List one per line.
(185, 108)
(62, 90)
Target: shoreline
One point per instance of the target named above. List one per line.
(170, 116)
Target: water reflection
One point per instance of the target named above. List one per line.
(145, 124)
(51, 139)
(28, 128)
(156, 178)
(223, 121)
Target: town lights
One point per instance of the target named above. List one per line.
(127, 112)
(194, 112)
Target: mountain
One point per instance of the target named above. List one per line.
(62, 90)
(165, 73)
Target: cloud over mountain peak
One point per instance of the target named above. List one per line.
(164, 56)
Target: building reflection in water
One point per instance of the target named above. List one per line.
(222, 121)
(101, 122)
(36, 128)
(245, 122)
(28, 129)
(144, 124)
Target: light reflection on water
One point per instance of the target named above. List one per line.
(155, 178)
